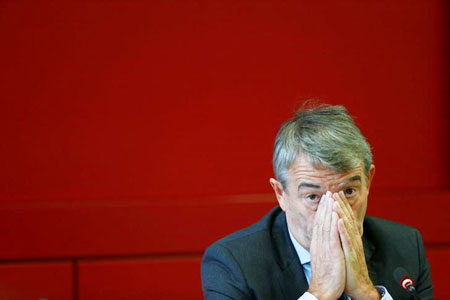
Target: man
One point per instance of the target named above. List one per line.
(318, 244)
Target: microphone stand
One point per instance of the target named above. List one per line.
(412, 290)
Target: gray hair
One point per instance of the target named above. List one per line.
(326, 135)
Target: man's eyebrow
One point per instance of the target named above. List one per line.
(308, 185)
(351, 179)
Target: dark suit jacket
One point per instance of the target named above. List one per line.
(260, 262)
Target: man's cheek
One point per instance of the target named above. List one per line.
(311, 216)
(358, 212)
(312, 207)
(356, 207)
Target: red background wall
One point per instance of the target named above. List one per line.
(134, 133)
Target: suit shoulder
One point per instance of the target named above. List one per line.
(386, 225)
(248, 241)
(254, 231)
(389, 232)
(242, 264)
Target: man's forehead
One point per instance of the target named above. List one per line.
(327, 173)
(302, 169)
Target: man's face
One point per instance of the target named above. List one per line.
(306, 185)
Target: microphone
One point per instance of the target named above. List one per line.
(402, 277)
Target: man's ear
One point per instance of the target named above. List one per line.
(279, 192)
(370, 177)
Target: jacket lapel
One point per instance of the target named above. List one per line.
(293, 282)
(369, 250)
(291, 279)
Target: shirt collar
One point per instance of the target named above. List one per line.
(303, 254)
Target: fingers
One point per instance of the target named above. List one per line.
(357, 277)
(344, 236)
(316, 238)
(327, 214)
(334, 233)
(320, 208)
(345, 209)
(336, 239)
(327, 258)
(318, 219)
(345, 212)
(322, 211)
(325, 224)
(347, 225)
(343, 222)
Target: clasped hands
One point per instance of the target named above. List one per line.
(337, 255)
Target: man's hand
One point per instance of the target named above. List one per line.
(358, 284)
(327, 257)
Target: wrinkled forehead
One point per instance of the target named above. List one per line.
(345, 161)
(303, 169)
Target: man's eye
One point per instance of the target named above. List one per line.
(312, 197)
(350, 192)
